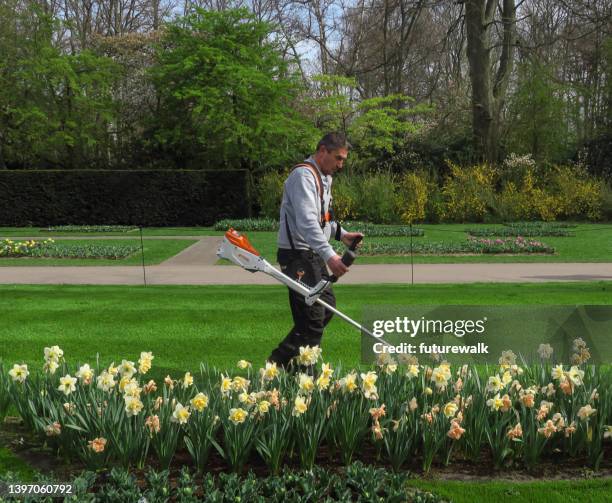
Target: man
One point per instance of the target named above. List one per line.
(304, 251)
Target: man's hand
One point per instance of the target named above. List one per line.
(349, 237)
(336, 266)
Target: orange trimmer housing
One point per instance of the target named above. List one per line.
(240, 241)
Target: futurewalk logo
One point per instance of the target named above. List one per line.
(479, 334)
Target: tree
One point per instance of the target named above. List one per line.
(226, 96)
(489, 86)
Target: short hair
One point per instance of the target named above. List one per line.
(334, 141)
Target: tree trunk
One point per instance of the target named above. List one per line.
(488, 91)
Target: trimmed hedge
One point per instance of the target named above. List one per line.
(151, 198)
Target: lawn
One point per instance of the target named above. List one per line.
(154, 250)
(566, 491)
(186, 325)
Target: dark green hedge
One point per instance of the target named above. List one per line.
(147, 198)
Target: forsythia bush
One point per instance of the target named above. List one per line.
(412, 192)
(577, 194)
(468, 193)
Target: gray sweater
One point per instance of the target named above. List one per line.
(301, 209)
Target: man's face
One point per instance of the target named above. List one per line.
(332, 160)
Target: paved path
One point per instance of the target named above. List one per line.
(195, 266)
(359, 274)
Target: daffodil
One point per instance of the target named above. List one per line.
(127, 369)
(557, 373)
(85, 374)
(181, 414)
(305, 383)
(145, 362)
(226, 385)
(299, 406)
(495, 403)
(19, 373)
(67, 384)
(199, 402)
(269, 372)
(450, 409)
(133, 405)
(575, 375)
(238, 416)
(412, 371)
(495, 384)
(187, 380)
(54, 353)
(309, 355)
(243, 364)
(585, 412)
(263, 407)
(106, 381)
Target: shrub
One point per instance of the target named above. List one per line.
(578, 195)
(412, 191)
(468, 193)
(377, 199)
(270, 193)
(345, 194)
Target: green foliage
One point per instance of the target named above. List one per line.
(538, 115)
(226, 94)
(147, 198)
(55, 108)
(376, 198)
(270, 193)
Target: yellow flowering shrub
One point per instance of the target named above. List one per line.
(270, 192)
(412, 192)
(526, 202)
(468, 193)
(578, 194)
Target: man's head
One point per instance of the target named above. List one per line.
(332, 151)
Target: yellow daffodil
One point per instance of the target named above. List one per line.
(133, 405)
(306, 383)
(199, 402)
(145, 362)
(238, 416)
(299, 406)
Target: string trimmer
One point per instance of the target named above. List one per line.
(237, 249)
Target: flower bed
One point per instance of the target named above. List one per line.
(397, 412)
(525, 229)
(90, 228)
(471, 246)
(50, 249)
(369, 229)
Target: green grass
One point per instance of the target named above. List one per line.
(592, 243)
(11, 463)
(147, 231)
(566, 491)
(186, 325)
(155, 251)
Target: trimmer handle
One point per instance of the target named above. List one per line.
(348, 257)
